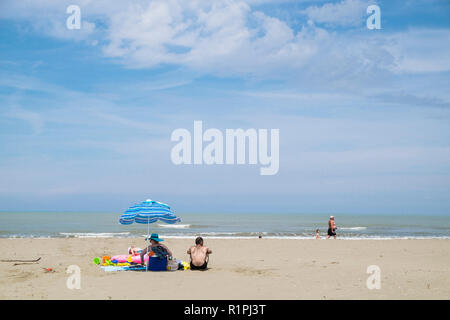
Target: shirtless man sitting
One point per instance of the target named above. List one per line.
(199, 255)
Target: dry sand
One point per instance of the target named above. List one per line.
(239, 269)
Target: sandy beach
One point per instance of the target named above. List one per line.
(239, 269)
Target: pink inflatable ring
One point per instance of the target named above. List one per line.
(124, 258)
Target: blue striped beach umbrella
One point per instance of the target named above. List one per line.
(148, 212)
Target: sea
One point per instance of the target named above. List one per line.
(225, 226)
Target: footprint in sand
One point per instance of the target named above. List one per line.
(22, 276)
(252, 271)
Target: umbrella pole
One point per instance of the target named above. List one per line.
(146, 240)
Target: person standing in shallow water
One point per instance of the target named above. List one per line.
(331, 228)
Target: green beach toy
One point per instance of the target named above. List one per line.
(97, 260)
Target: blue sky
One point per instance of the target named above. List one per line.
(86, 115)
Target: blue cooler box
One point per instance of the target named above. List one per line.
(157, 264)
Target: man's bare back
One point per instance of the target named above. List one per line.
(199, 254)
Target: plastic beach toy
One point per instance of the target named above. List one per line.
(186, 265)
(97, 260)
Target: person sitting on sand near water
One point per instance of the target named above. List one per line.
(331, 228)
(199, 255)
(155, 247)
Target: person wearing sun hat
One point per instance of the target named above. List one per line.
(155, 247)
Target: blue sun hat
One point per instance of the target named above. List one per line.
(155, 237)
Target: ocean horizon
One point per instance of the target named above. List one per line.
(225, 226)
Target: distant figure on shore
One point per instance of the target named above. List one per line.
(331, 228)
(199, 255)
(317, 234)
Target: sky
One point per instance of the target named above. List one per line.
(86, 115)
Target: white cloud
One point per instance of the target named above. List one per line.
(344, 13)
(420, 50)
(208, 37)
(225, 38)
(232, 38)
